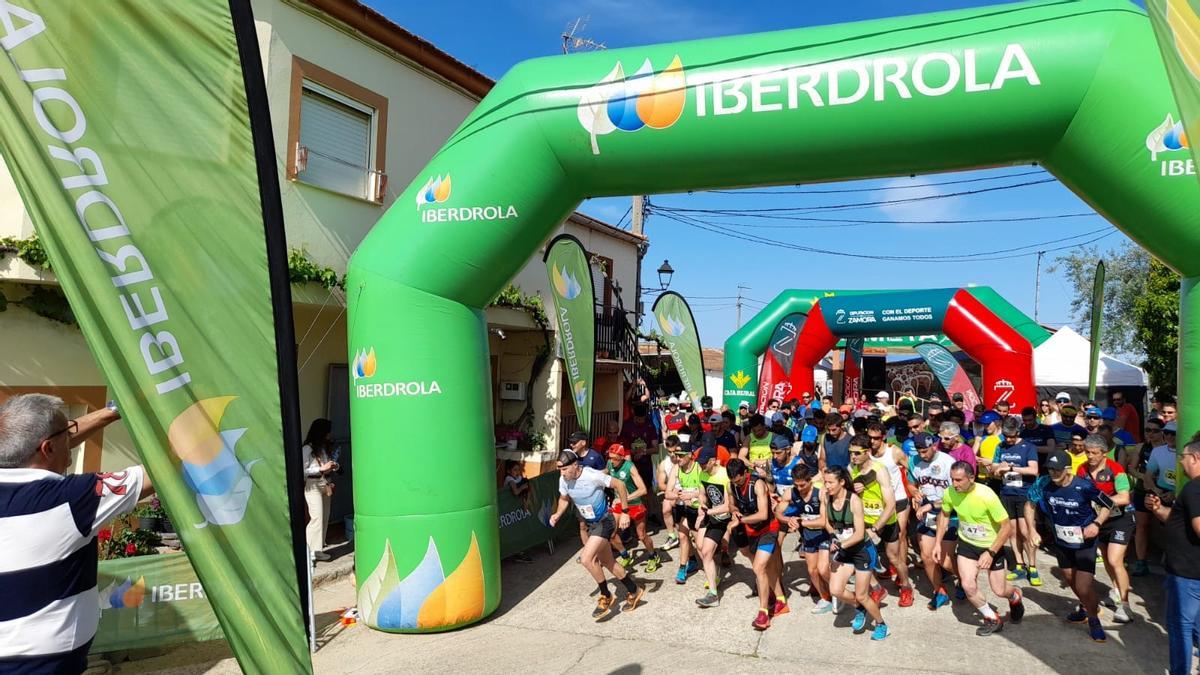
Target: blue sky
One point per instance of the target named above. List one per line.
(494, 36)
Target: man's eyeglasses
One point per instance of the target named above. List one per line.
(71, 429)
(947, 439)
(856, 453)
(875, 438)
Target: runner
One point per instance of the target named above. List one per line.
(754, 534)
(662, 479)
(584, 486)
(756, 447)
(716, 512)
(1076, 450)
(1016, 467)
(950, 441)
(809, 453)
(983, 528)
(683, 490)
(893, 458)
(835, 449)
(1068, 501)
(930, 472)
(1037, 433)
(623, 469)
(1136, 461)
(1066, 425)
(1116, 533)
(803, 512)
(1159, 478)
(851, 552)
(873, 485)
(985, 445)
(783, 460)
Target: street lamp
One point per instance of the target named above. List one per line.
(664, 275)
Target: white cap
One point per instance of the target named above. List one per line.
(883, 395)
(1062, 396)
(674, 400)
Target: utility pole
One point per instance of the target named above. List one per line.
(739, 304)
(638, 213)
(1037, 286)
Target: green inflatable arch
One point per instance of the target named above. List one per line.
(743, 348)
(1076, 86)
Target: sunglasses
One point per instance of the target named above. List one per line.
(856, 453)
(875, 438)
(947, 439)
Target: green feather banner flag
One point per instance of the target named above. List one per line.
(678, 326)
(575, 312)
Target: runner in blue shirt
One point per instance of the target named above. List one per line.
(804, 512)
(1015, 465)
(783, 458)
(1068, 501)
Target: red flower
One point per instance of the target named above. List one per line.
(105, 534)
(130, 549)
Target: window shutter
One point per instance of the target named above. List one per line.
(338, 140)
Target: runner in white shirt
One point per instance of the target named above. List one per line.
(893, 458)
(662, 477)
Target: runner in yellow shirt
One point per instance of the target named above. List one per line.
(983, 527)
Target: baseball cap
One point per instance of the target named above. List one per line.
(989, 417)
(707, 454)
(808, 434)
(775, 417)
(956, 396)
(1092, 411)
(715, 418)
(743, 404)
(1068, 410)
(883, 395)
(639, 443)
(618, 450)
(845, 408)
(1170, 427)
(922, 440)
(674, 400)
(780, 442)
(576, 437)
(935, 405)
(684, 448)
(1058, 460)
(1062, 397)
(1109, 413)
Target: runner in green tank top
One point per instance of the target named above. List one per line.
(683, 489)
(757, 448)
(623, 469)
(873, 485)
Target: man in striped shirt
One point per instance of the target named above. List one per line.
(48, 527)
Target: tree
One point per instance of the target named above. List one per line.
(1156, 315)
(1126, 271)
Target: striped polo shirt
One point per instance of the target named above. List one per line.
(49, 605)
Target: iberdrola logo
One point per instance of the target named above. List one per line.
(426, 597)
(580, 394)
(364, 364)
(630, 103)
(211, 468)
(1185, 28)
(1167, 137)
(671, 325)
(565, 285)
(435, 190)
(739, 379)
(125, 594)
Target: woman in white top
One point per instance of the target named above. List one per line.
(317, 490)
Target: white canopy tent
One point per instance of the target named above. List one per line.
(1062, 362)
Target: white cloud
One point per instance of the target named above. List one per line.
(920, 187)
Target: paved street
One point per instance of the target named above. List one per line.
(544, 625)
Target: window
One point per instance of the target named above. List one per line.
(336, 133)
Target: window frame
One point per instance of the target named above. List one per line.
(331, 85)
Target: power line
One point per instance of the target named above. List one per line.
(836, 223)
(817, 191)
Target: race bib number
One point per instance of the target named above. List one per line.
(1069, 534)
(809, 517)
(587, 511)
(1170, 474)
(845, 533)
(975, 532)
(872, 509)
(1013, 479)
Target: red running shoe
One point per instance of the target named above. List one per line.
(779, 607)
(906, 596)
(878, 594)
(762, 621)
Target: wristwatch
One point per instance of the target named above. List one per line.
(112, 405)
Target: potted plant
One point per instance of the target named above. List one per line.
(150, 515)
(123, 540)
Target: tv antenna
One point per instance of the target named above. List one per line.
(572, 41)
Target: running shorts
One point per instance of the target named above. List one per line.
(889, 533)
(863, 557)
(603, 528)
(901, 505)
(1078, 559)
(972, 552)
(686, 515)
(764, 540)
(637, 512)
(1139, 501)
(715, 529)
(931, 532)
(1014, 505)
(1118, 531)
(814, 545)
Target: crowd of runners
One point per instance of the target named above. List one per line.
(870, 495)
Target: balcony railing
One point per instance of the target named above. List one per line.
(615, 337)
(600, 420)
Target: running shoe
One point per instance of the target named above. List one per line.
(762, 621)
(625, 560)
(1016, 574)
(1016, 607)
(632, 600)
(681, 576)
(1034, 578)
(780, 607)
(1110, 601)
(1140, 569)
(859, 624)
(1095, 631)
(1121, 613)
(990, 626)
(603, 604)
(653, 563)
(823, 607)
(709, 600)
(672, 542)
(878, 594)
(940, 598)
(906, 596)
(1078, 616)
(881, 632)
